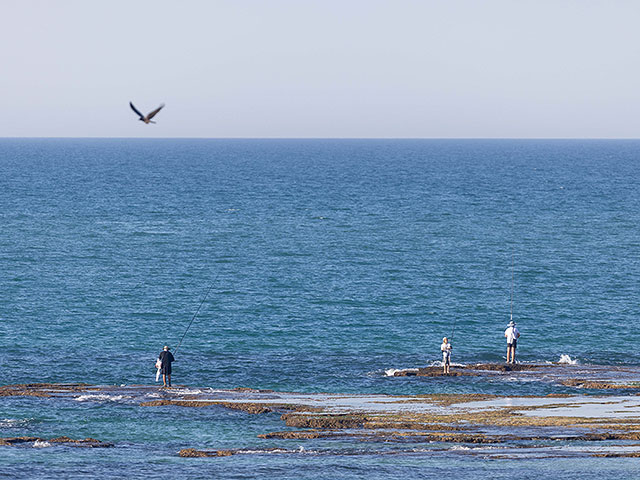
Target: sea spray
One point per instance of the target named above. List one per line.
(566, 359)
(390, 372)
(99, 398)
(41, 444)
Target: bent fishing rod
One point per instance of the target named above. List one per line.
(453, 327)
(512, 277)
(196, 314)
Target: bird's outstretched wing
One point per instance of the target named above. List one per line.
(153, 114)
(135, 110)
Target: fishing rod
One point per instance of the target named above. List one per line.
(453, 328)
(513, 354)
(196, 314)
(512, 276)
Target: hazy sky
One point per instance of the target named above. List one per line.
(321, 68)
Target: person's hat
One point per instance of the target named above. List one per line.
(512, 323)
(166, 347)
(444, 339)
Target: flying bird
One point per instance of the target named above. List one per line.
(149, 116)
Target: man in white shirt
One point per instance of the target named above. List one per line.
(512, 335)
(446, 355)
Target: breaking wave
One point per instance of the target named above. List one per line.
(99, 397)
(14, 422)
(390, 372)
(566, 359)
(259, 451)
(188, 391)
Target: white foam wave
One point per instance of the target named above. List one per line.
(458, 448)
(567, 360)
(99, 397)
(521, 379)
(14, 422)
(275, 451)
(390, 372)
(187, 391)
(438, 363)
(485, 447)
(41, 444)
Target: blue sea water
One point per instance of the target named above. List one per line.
(330, 261)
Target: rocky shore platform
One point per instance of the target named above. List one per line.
(581, 422)
(61, 441)
(596, 377)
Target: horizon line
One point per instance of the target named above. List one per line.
(308, 138)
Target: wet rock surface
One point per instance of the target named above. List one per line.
(324, 421)
(617, 454)
(86, 442)
(604, 421)
(251, 408)
(192, 452)
(475, 370)
(289, 434)
(40, 389)
(582, 383)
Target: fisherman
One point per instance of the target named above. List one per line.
(166, 357)
(446, 355)
(512, 335)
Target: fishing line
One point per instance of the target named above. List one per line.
(196, 314)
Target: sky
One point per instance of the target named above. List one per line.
(321, 68)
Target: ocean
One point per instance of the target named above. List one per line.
(330, 262)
